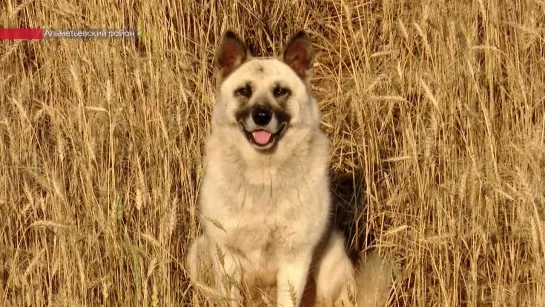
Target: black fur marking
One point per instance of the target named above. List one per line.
(259, 69)
(243, 113)
(281, 94)
(244, 91)
(281, 115)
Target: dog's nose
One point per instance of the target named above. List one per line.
(262, 115)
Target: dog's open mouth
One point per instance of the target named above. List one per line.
(262, 138)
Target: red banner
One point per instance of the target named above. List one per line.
(21, 33)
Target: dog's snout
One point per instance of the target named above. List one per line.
(262, 115)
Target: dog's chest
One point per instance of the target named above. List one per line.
(259, 219)
(257, 234)
(262, 222)
(259, 243)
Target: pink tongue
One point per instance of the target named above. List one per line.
(261, 137)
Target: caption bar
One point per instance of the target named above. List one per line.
(26, 33)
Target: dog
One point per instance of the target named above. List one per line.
(265, 202)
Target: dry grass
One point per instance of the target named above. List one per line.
(437, 107)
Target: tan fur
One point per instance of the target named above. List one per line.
(266, 214)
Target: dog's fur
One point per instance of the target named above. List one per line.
(265, 199)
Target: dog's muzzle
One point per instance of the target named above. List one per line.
(262, 127)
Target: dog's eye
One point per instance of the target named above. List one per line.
(280, 91)
(245, 91)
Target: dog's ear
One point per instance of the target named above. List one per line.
(299, 55)
(231, 53)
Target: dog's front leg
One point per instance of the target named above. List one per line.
(291, 279)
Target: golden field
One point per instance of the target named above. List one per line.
(435, 111)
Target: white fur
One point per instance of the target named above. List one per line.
(265, 214)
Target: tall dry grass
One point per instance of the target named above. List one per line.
(435, 111)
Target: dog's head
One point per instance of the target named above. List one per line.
(265, 102)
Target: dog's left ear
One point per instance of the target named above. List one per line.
(299, 55)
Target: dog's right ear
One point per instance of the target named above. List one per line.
(299, 55)
(231, 53)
